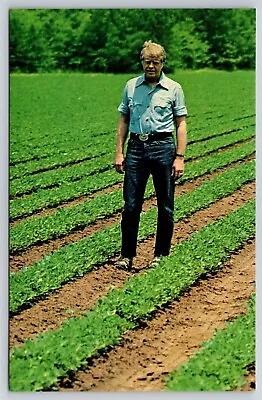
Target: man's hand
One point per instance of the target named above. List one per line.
(178, 168)
(120, 163)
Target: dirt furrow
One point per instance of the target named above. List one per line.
(148, 354)
(78, 296)
(79, 200)
(36, 252)
(250, 378)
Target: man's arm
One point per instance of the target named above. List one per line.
(122, 133)
(181, 137)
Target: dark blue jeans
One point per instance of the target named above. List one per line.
(143, 159)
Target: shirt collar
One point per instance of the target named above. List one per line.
(162, 80)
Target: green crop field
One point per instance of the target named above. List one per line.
(65, 205)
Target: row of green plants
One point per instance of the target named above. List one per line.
(222, 361)
(78, 258)
(38, 146)
(89, 148)
(51, 146)
(95, 148)
(222, 127)
(209, 143)
(38, 364)
(21, 207)
(69, 190)
(54, 178)
(37, 229)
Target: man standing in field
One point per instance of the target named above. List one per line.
(151, 109)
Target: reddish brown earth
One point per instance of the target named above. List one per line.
(147, 354)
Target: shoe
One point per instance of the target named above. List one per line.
(155, 262)
(124, 263)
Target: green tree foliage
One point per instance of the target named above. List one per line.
(27, 47)
(109, 40)
(189, 47)
(231, 36)
(114, 37)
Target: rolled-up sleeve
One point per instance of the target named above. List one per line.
(179, 106)
(123, 106)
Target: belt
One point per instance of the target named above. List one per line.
(149, 136)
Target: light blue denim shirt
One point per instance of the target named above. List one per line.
(152, 109)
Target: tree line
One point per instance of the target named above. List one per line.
(110, 40)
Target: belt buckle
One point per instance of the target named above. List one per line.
(143, 137)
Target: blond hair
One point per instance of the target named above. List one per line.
(152, 49)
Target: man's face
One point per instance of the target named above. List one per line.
(152, 67)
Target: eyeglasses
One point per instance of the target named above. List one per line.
(155, 63)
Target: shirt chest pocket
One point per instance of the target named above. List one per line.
(162, 109)
(135, 109)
